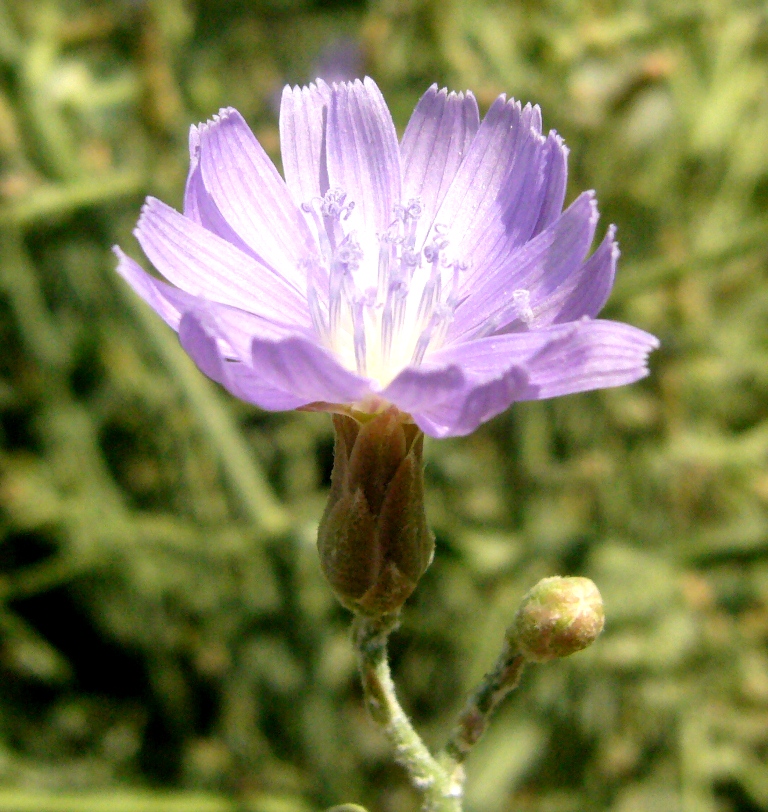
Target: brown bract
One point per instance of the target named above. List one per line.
(373, 539)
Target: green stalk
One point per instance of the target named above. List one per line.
(441, 791)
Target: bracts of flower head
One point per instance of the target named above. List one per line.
(373, 539)
(556, 618)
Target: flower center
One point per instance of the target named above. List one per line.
(381, 311)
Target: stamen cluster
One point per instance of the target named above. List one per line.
(384, 327)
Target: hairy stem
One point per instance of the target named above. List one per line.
(476, 716)
(442, 793)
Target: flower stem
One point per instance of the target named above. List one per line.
(476, 716)
(441, 792)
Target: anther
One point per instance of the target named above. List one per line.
(414, 209)
(334, 206)
(522, 301)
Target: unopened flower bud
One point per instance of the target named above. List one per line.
(373, 539)
(558, 617)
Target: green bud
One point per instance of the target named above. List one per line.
(558, 617)
(373, 539)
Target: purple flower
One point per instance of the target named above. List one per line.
(439, 274)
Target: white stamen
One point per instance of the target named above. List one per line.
(433, 253)
(379, 319)
(521, 299)
(518, 311)
(312, 209)
(334, 205)
(335, 209)
(358, 333)
(317, 315)
(346, 260)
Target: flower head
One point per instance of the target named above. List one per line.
(439, 274)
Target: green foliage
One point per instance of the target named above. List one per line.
(166, 638)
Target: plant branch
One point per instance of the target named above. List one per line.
(476, 716)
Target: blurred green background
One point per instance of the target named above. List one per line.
(166, 640)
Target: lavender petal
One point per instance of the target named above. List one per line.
(252, 197)
(555, 161)
(449, 400)
(559, 359)
(194, 181)
(415, 388)
(154, 292)
(363, 154)
(303, 117)
(206, 265)
(509, 221)
(486, 358)
(236, 328)
(502, 162)
(300, 366)
(199, 337)
(586, 290)
(539, 267)
(478, 403)
(434, 144)
(200, 207)
(596, 355)
(497, 371)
